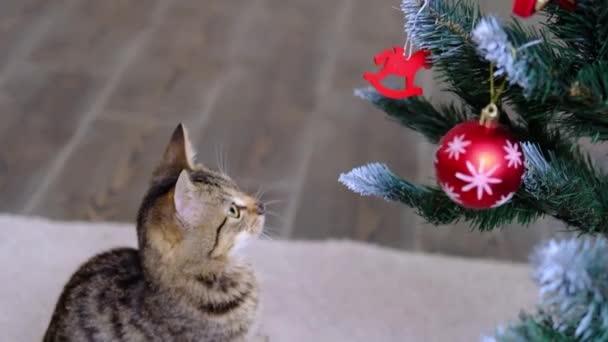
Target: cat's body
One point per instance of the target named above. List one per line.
(108, 299)
(183, 283)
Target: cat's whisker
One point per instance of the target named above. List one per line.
(273, 231)
(260, 193)
(266, 236)
(269, 234)
(272, 213)
(274, 201)
(221, 158)
(218, 159)
(225, 160)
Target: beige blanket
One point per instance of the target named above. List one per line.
(313, 291)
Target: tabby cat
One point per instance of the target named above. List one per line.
(184, 283)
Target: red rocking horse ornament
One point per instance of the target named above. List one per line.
(394, 62)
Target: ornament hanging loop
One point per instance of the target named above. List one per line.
(489, 115)
(408, 47)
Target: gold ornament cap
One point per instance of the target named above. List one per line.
(540, 4)
(489, 115)
(565, 3)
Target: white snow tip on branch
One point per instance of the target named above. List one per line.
(571, 275)
(493, 45)
(534, 157)
(537, 168)
(367, 93)
(372, 179)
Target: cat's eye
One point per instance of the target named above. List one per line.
(234, 211)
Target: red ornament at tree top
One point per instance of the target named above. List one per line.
(526, 8)
(394, 62)
(479, 166)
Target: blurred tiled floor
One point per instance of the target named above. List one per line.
(91, 90)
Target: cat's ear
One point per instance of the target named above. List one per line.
(179, 154)
(183, 197)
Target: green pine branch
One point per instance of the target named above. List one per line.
(583, 32)
(564, 91)
(571, 189)
(418, 114)
(530, 328)
(443, 28)
(581, 202)
(557, 91)
(585, 110)
(571, 278)
(431, 203)
(435, 207)
(545, 64)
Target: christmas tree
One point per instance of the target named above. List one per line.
(549, 85)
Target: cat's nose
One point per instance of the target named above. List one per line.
(260, 209)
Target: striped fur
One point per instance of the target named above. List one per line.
(181, 284)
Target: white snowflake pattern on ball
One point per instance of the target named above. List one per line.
(449, 190)
(479, 179)
(457, 146)
(503, 199)
(513, 155)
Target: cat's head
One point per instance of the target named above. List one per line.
(191, 213)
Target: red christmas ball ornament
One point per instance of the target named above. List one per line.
(479, 166)
(526, 8)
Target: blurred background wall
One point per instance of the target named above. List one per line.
(91, 90)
